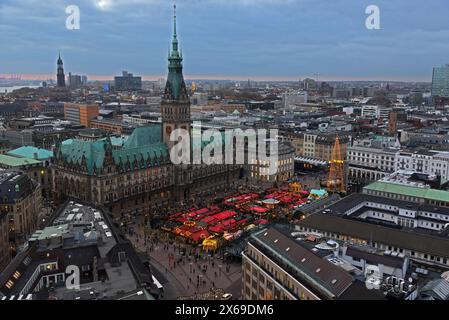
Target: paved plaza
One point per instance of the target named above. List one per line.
(185, 270)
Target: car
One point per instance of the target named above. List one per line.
(226, 296)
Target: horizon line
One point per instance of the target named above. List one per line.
(320, 78)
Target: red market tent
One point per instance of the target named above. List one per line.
(258, 209)
(261, 221)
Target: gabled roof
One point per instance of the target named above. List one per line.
(77, 151)
(143, 145)
(153, 153)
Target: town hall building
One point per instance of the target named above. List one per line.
(136, 176)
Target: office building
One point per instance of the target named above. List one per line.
(80, 114)
(440, 81)
(127, 82)
(278, 267)
(284, 166)
(368, 163)
(75, 81)
(111, 125)
(418, 246)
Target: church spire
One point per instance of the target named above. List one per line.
(60, 74)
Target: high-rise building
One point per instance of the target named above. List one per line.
(175, 105)
(440, 82)
(60, 75)
(75, 80)
(127, 82)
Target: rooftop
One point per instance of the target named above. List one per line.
(14, 162)
(411, 240)
(83, 236)
(331, 280)
(406, 190)
(31, 153)
(143, 147)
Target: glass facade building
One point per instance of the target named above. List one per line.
(440, 81)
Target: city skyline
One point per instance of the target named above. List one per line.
(225, 191)
(335, 47)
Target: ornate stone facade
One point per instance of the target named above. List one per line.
(20, 202)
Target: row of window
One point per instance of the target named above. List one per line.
(380, 246)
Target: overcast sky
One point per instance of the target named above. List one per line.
(254, 39)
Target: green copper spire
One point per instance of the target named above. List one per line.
(174, 21)
(175, 36)
(175, 82)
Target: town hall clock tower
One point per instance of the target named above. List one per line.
(175, 105)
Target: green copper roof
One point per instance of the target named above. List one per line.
(428, 194)
(142, 148)
(175, 88)
(143, 156)
(30, 152)
(14, 162)
(79, 151)
(118, 141)
(144, 136)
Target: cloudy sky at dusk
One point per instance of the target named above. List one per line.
(270, 39)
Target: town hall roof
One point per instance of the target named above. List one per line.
(144, 147)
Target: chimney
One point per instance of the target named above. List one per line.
(35, 155)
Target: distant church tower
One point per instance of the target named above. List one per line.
(60, 75)
(175, 105)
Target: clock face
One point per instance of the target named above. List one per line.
(168, 129)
